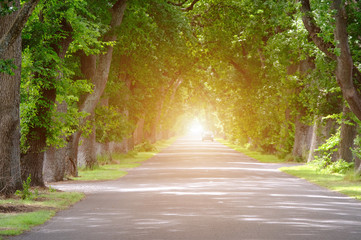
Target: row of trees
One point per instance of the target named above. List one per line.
(118, 72)
(288, 76)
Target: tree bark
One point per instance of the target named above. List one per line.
(303, 138)
(54, 164)
(54, 159)
(10, 33)
(348, 134)
(87, 151)
(138, 135)
(345, 69)
(9, 111)
(314, 138)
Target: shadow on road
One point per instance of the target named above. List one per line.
(197, 190)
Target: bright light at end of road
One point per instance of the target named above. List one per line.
(195, 127)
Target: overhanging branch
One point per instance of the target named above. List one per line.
(9, 38)
(314, 31)
(190, 6)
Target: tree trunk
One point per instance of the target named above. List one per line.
(314, 142)
(54, 164)
(138, 134)
(32, 161)
(303, 138)
(156, 127)
(87, 151)
(54, 159)
(71, 168)
(9, 113)
(348, 134)
(345, 69)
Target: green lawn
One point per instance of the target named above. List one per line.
(342, 183)
(41, 209)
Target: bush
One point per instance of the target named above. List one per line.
(145, 146)
(327, 166)
(340, 166)
(26, 193)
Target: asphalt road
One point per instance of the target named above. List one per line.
(197, 190)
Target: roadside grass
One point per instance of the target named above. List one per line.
(17, 215)
(265, 158)
(348, 184)
(119, 164)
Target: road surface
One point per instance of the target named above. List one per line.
(196, 190)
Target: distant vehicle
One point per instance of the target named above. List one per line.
(207, 135)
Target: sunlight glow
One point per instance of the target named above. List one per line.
(196, 127)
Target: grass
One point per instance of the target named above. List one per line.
(30, 213)
(265, 158)
(348, 184)
(120, 164)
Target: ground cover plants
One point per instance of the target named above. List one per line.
(18, 215)
(348, 183)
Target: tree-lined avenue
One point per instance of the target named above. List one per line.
(204, 190)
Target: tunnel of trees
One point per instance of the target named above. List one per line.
(85, 77)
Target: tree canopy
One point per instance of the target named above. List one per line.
(272, 75)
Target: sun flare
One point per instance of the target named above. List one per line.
(196, 127)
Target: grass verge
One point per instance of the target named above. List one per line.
(120, 163)
(17, 215)
(265, 158)
(348, 184)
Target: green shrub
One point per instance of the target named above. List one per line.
(327, 166)
(26, 193)
(145, 146)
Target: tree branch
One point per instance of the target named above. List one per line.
(178, 4)
(344, 70)
(242, 71)
(314, 30)
(191, 6)
(9, 38)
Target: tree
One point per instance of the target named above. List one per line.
(99, 78)
(345, 71)
(11, 25)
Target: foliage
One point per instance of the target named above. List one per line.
(145, 146)
(7, 7)
(111, 125)
(356, 150)
(44, 70)
(26, 193)
(7, 66)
